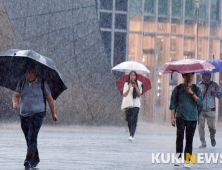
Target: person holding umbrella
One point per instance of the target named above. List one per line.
(142, 78)
(184, 114)
(34, 92)
(132, 91)
(210, 91)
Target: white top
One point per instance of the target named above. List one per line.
(136, 101)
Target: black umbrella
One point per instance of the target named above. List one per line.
(13, 66)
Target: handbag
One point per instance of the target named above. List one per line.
(127, 101)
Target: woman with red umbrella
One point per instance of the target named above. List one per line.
(132, 91)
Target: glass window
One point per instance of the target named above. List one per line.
(176, 26)
(177, 8)
(176, 48)
(202, 48)
(149, 24)
(163, 8)
(203, 9)
(149, 61)
(160, 92)
(189, 27)
(106, 4)
(203, 28)
(148, 51)
(105, 20)
(119, 48)
(215, 29)
(149, 6)
(214, 48)
(136, 6)
(135, 23)
(134, 51)
(189, 8)
(189, 48)
(163, 25)
(121, 21)
(107, 37)
(215, 10)
(121, 5)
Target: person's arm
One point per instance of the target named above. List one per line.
(188, 90)
(126, 90)
(215, 90)
(15, 100)
(137, 90)
(173, 106)
(173, 120)
(51, 103)
(198, 97)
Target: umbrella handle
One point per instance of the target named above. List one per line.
(172, 74)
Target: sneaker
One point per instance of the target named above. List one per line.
(202, 146)
(186, 165)
(178, 162)
(27, 165)
(131, 138)
(213, 142)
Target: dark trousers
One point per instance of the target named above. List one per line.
(189, 127)
(132, 117)
(30, 126)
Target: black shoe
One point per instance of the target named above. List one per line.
(202, 146)
(35, 164)
(213, 142)
(27, 165)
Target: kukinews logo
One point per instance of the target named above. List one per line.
(195, 158)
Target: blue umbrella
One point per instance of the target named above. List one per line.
(217, 64)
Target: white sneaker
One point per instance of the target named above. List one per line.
(186, 165)
(178, 162)
(131, 138)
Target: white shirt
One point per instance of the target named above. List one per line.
(136, 101)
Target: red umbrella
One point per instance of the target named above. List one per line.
(145, 81)
(186, 66)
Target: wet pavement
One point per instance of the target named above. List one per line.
(85, 147)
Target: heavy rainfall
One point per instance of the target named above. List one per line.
(93, 84)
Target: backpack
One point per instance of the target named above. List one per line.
(22, 83)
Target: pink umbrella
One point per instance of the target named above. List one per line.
(186, 66)
(145, 81)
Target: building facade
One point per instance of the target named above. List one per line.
(153, 32)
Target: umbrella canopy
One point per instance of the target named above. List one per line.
(217, 64)
(145, 81)
(186, 66)
(13, 66)
(128, 66)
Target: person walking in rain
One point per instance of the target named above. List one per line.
(210, 91)
(184, 101)
(33, 92)
(132, 89)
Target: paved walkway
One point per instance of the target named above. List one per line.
(78, 147)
